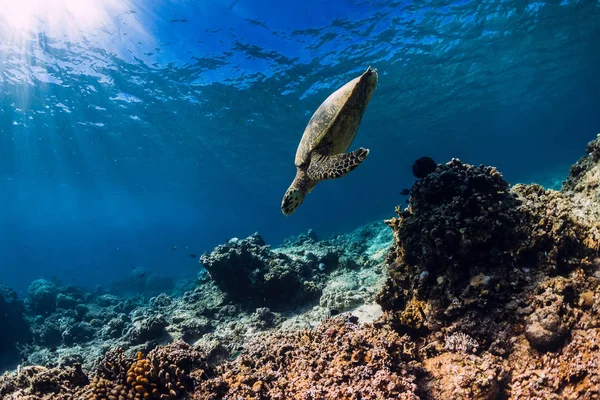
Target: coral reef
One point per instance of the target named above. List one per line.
(452, 245)
(163, 374)
(41, 296)
(338, 360)
(478, 291)
(493, 280)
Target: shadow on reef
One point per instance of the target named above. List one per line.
(491, 292)
(14, 325)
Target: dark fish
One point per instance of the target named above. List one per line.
(405, 192)
(193, 255)
(334, 312)
(423, 167)
(174, 248)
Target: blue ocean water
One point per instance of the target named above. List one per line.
(143, 133)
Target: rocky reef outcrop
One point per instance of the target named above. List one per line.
(507, 275)
(255, 276)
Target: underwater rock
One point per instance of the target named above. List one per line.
(15, 328)
(570, 374)
(255, 276)
(582, 186)
(305, 238)
(64, 301)
(146, 328)
(580, 179)
(264, 318)
(41, 297)
(48, 333)
(114, 328)
(193, 328)
(79, 332)
(346, 289)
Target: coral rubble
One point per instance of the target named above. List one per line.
(340, 359)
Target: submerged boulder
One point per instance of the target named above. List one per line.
(41, 297)
(255, 276)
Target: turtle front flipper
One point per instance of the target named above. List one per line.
(336, 166)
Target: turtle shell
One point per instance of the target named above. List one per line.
(333, 126)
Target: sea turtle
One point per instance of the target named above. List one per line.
(322, 150)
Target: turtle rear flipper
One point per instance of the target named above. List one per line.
(336, 166)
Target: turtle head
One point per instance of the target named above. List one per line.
(371, 78)
(294, 196)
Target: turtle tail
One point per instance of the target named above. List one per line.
(293, 197)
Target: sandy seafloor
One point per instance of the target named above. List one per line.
(473, 289)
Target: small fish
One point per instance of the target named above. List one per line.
(405, 192)
(192, 255)
(174, 248)
(334, 312)
(422, 313)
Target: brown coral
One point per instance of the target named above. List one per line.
(452, 245)
(35, 382)
(338, 360)
(467, 241)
